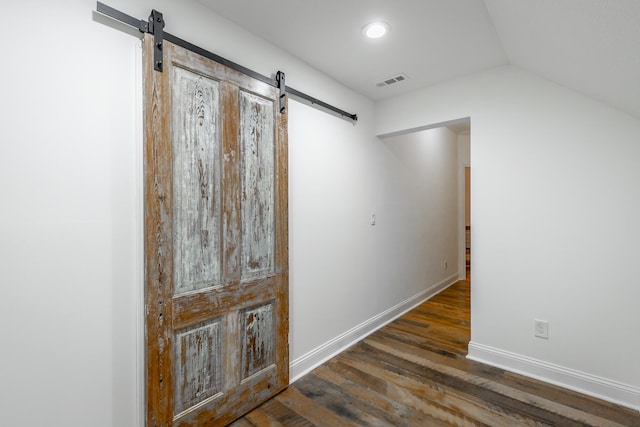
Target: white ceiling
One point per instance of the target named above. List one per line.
(592, 46)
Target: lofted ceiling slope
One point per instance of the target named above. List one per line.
(592, 46)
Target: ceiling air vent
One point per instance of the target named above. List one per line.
(392, 80)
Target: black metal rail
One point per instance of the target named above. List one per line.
(155, 26)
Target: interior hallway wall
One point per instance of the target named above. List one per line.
(421, 196)
(342, 267)
(554, 205)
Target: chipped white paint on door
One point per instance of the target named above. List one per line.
(198, 368)
(257, 134)
(216, 252)
(257, 346)
(196, 181)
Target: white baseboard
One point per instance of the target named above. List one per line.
(602, 388)
(307, 362)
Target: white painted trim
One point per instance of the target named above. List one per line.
(307, 362)
(462, 250)
(592, 385)
(426, 127)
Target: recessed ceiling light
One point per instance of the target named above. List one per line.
(375, 30)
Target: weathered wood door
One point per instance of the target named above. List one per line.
(216, 274)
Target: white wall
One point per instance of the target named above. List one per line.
(421, 195)
(345, 272)
(555, 204)
(68, 218)
(70, 224)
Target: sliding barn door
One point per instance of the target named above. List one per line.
(216, 254)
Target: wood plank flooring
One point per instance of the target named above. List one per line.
(413, 372)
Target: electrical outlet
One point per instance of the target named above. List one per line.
(541, 329)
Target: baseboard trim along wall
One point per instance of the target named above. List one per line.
(307, 362)
(591, 385)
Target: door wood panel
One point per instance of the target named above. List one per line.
(216, 241)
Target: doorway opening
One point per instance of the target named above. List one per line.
(462, 129)
(432, 177)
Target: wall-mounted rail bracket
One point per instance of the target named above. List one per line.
(283, 88)
(156, 27)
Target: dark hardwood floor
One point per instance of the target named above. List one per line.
(413, 372)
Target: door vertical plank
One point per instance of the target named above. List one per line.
(282, 244)
(158, 244)
(231, 228)
(232, 186)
